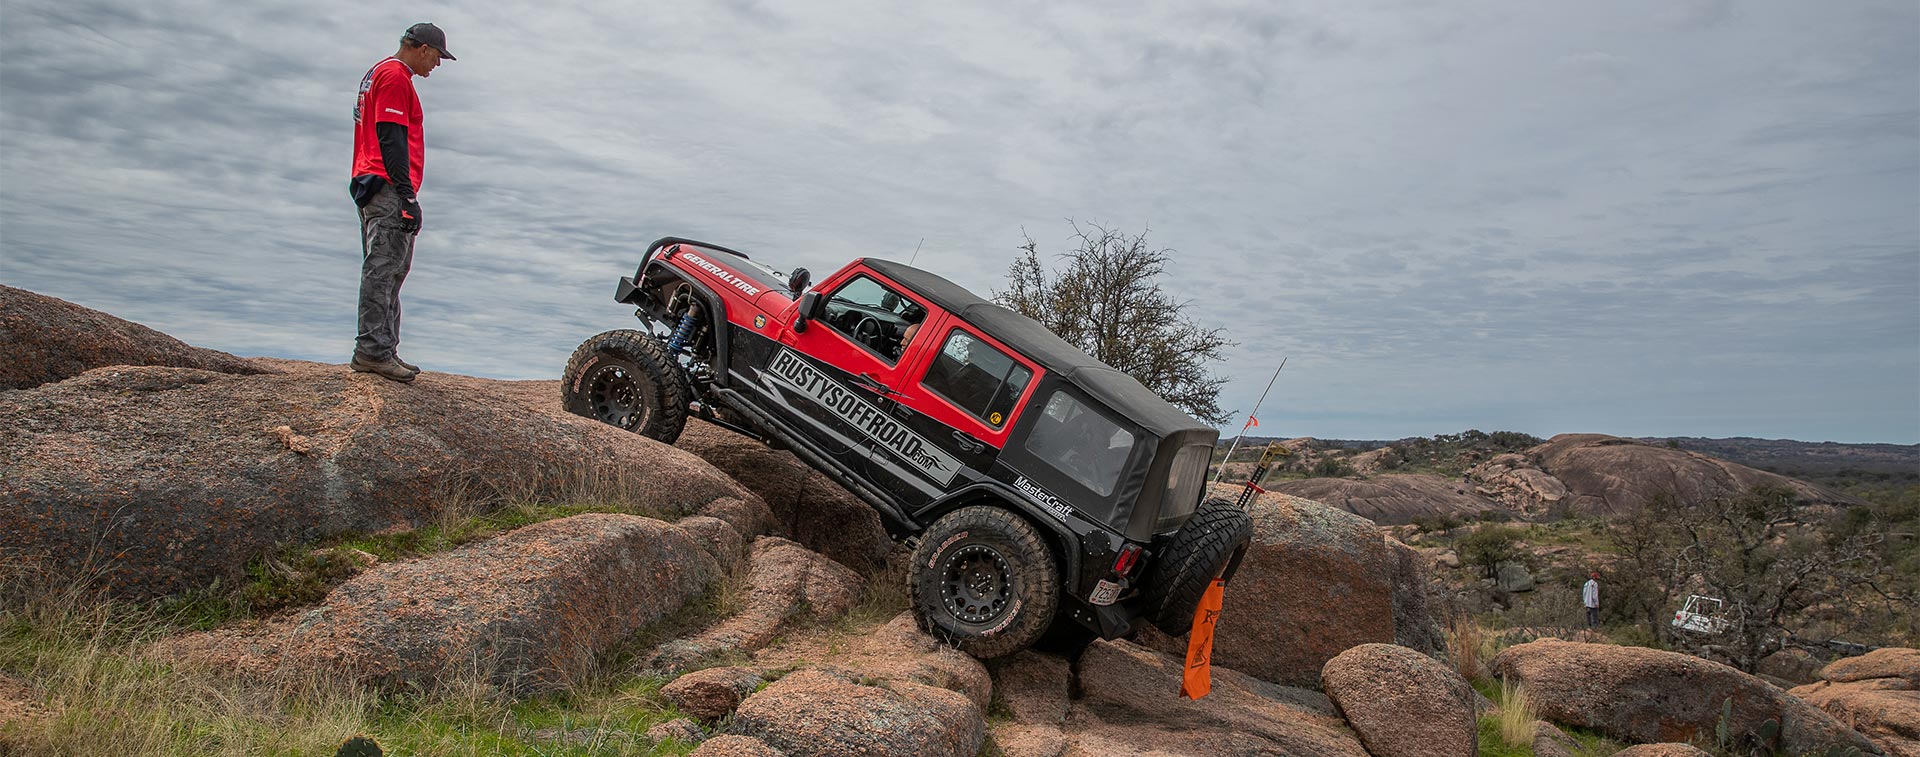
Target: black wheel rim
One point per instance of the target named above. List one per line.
(976, 584)
(618, 397)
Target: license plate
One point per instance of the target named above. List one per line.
(1104, 593)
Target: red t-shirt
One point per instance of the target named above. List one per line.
(387, 93)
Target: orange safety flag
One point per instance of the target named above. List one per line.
(1197, 682)
(1252, 421)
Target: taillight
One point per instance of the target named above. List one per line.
(1129, 557)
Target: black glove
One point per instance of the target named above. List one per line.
(409, 214)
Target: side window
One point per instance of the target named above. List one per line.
(873, 315)
(977, 377)
(1081, 442)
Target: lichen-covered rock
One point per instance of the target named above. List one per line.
(46, 339)
(729, 745)
(830, 713)
(160, 480)
(750, 515)
(713, 693)
(530, 610)
(1316, 582)
(718, 537)
(1403, 703)
(807, 506)
(1130, 695)
(787, 582)
(678, 730)
(1645, 695)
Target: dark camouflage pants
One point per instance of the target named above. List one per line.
(386, 254)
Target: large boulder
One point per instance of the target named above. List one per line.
(1403, 703)
(830, 713)
(529, 610)
(47, 339)
(807, 506)
(1393, 498)
(1877, 694)
(1607, 475)
(1884, 710)
(1316, 582)
(1131, 704)
(1900, 663)
(1645, 695)
(159, 480)
(786, 583)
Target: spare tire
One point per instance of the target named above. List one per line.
(1199, 551)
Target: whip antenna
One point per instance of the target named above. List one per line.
(1250, 421)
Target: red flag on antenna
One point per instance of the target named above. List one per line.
(1252, 421)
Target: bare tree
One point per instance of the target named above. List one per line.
(1755, 552)
(1106, 299)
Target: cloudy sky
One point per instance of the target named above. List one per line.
(1652, 217)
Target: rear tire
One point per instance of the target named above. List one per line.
(984, 581)
(1198, 552)
(626, 378)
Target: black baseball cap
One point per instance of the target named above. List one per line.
(431, 36)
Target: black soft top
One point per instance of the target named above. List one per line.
(1116, 390)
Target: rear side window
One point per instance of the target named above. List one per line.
(1081, 442)
(977, 377)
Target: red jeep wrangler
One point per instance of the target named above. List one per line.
(1032, 480)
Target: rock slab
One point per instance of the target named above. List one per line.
(530, 610)
(46, 339)
(161, 480)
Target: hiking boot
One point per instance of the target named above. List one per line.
(405, 364)
(388, 368)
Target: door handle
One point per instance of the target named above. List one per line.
(968, 443)
(871, 384)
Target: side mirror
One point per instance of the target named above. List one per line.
(798, 280)
(809, 307)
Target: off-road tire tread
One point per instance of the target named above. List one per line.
(1198, 552)
(1036, 577)
(643, 350)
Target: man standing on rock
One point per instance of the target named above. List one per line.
(389, 156)
(1590, 596)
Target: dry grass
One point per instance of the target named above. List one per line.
(1469, 647)
(1519, 717)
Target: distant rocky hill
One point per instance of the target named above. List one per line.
(1476, 475)
(1796, 458)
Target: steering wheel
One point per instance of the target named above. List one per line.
(868, 331)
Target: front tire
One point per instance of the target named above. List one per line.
(626, 378)
(984, 581)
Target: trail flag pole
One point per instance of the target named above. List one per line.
(1251, 421)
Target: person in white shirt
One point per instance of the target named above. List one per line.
(1590, 596)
